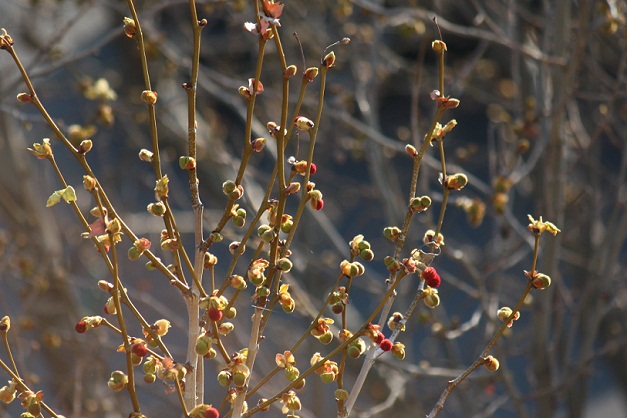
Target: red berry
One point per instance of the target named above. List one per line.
(313, 169)
(81, 327)
(212, 413)
(215, 314)
(386, 345)
(139, 350)
(318, 204)
(431, 276)
(380, 337)
(337, 308)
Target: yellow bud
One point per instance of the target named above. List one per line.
(149, 97)
(329, 60)
(290, 71)
(89, 182)
(438, 46)
(311, 73)
(491, 363)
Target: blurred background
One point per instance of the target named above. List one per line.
(541, 131)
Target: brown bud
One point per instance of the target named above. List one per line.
(85, 146)
(329, 60)
(130, 29)
(438, 46)
(290, 71)
(89, 182)
(491, 363)
(24, 98)
(149, 97)
(311, 73)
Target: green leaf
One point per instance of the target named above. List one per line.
(53, 199)
(68, 194)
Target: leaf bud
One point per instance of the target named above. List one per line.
(209, 260)
(456, 181)
(42, 151)
(284, 264)
(238, 282)
(337, 308)
(130, 29)
(398, 351)
(258, 144)
(146, 155)
(438, 46)
(5, 40)
(290, 71)
(396, 322)
(150, 266)
(392, 233)
(341, 394)
(244, 92)
(356, 348)
(236, 247)
(239, 221)
(448, 103)
(225, 378)
(310, 73)
(266, 233)
(24, 98)
(215, 237)
(432, 300)
(429, 238)
(366, 254)
(156, 209)
(286, 225)
(187, 163)
(161, 327)
(117, 381)
(294, 187)
(411, 150)
(419, 204)
(161, 187)
(491, 363)
(89, 182)
(292, 373)
(540, 281)
(5, 324)
(85, 146)
(326, 338)
(328, 377)
(230, 313)
(303, 123)
(225, 328)
(149, 97)
(263, 291)
(134, 253)
(316, 204)
(450, 125)
(391, 263)
(329, 60)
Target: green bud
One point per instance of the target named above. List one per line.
(541, 281)
(156, 209)
(263, 291)
(292, 373)
(341, 394)
(225, 378)
(284, 264)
